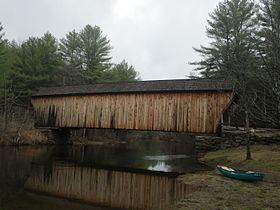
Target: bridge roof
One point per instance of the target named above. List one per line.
(178, 85)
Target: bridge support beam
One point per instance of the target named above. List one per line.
(61, 136)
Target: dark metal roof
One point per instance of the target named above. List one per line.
(179, 85)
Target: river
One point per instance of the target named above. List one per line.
(19, 166)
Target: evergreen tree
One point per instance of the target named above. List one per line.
(231, 54)
(232, 27)
(37, 61)
(70, 48)
(88, 50)
(7, 56)
(2, 45)
(268, 106)
(95, 48)
(121, 72)
(95, 52)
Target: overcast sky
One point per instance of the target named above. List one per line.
(155, 36)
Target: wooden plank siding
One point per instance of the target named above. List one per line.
(193, 112)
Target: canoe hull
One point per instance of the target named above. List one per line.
(245, 176)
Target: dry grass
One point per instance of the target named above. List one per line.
(33, 136)
(21, 133)
(218, 192)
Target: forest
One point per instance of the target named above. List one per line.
(79, 58)
(244, 48)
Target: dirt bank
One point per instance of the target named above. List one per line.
(25, 137)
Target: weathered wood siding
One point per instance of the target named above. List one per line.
(195, 112)
(117, 189)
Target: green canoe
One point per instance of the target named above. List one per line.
(241, 175)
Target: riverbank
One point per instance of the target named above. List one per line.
(218, 192)
(30, 136)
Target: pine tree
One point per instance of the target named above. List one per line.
(121, 72)
(2, 44)
(95, 50)
(268, 107)
(37, 61)
(88, 50)
(231, 54)
(70, 48)
(3, 52)
(231, 30)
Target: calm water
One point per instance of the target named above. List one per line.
(15, 167)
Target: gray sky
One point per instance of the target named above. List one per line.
(155, 36)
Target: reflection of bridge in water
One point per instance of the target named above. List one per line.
(119, 176)
(128, 176)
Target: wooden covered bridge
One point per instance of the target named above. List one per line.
(191, 106)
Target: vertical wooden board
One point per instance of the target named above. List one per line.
(202, 96)
(179, 113)
(139, 111)
(150, 111)
(117, 112)
(170, 124)
(166, 111)
(131, 111)
(134, 114)
(158, 122)
(90, 112)
(100, 113)
(103, 116)
(216, 112)
(160, 113)
(198, 105)
(195, 104)
(201, 105)
(107, 118)
(128, 118)
(165, 115)
(142, 112)
(94, 119)
(154, 114)
(122, 112)
(136, 111)
(186, 113)
(209, 104)
(188, 119)
(191, 114)
(204, 112)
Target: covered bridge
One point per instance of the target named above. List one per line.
(192, 106)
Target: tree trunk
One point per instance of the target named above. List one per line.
(26, 115)
(5, 105)
(247, 127)
(5, 119)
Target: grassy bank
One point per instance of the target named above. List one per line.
(218, 192)
(21, 132)
(28, 136)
